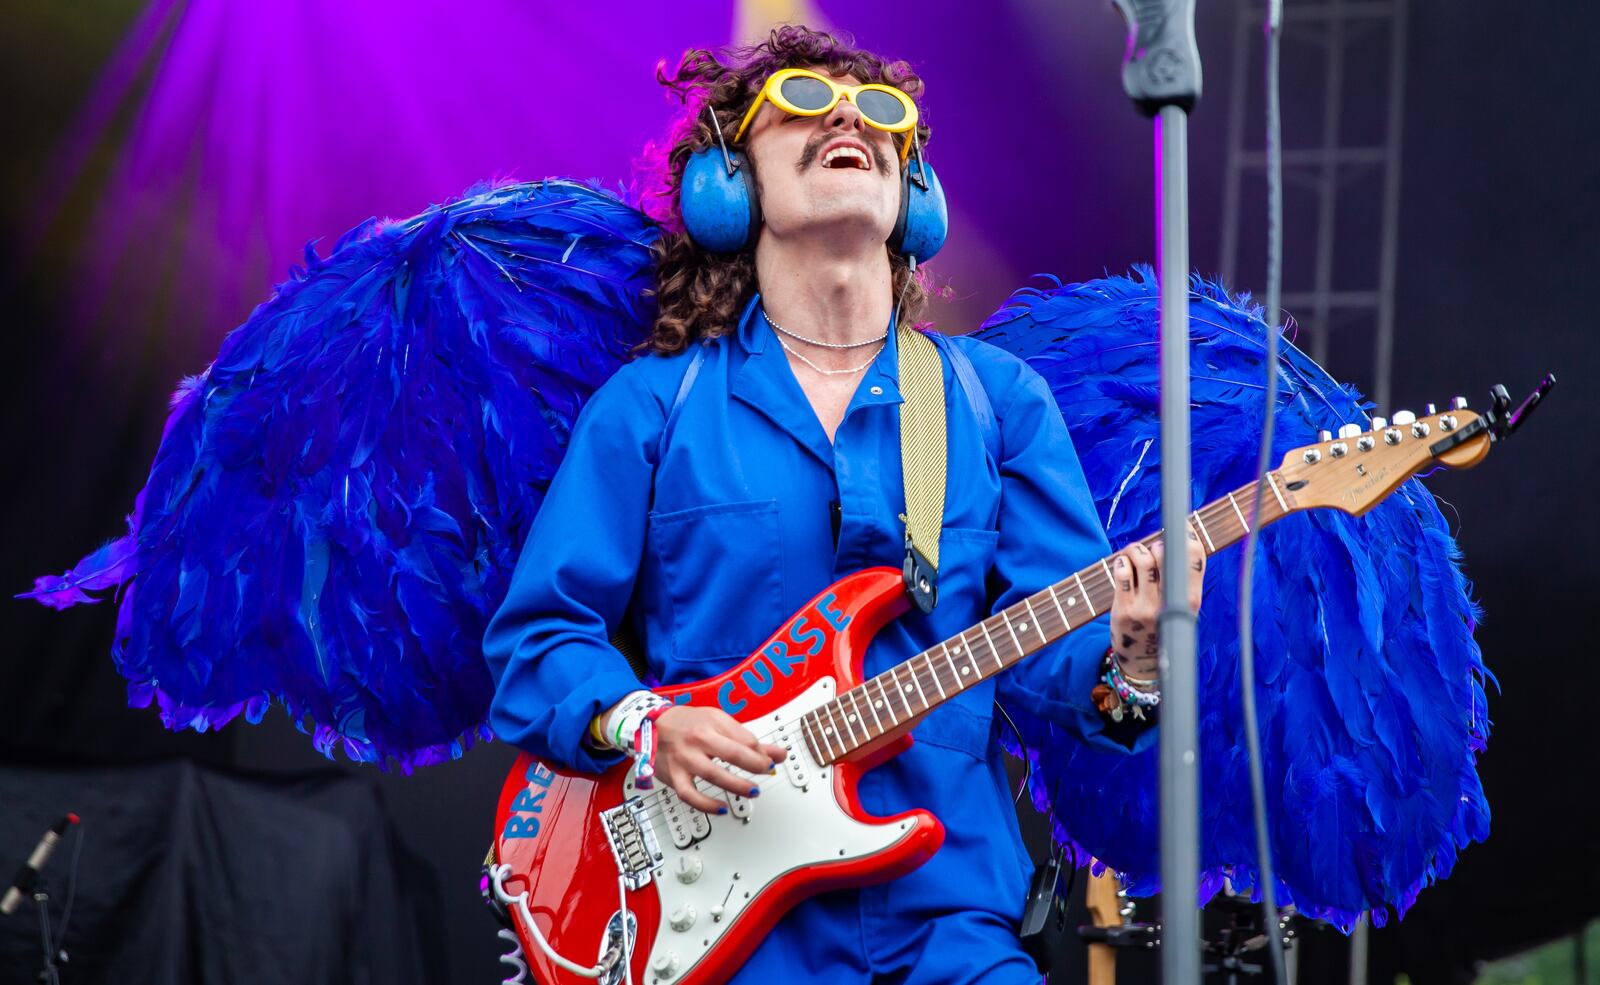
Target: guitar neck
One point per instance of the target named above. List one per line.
(899, 696)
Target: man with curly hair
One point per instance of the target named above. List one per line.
(699, 514)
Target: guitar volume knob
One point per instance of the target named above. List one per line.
(665, 965)
(682, 918)
(690, 868)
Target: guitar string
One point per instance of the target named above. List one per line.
(657, 808)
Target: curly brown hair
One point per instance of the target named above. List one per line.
(699, 293)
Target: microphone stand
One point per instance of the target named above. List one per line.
(1161, 74)
(48, 974)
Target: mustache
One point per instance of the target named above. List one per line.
(813, 147)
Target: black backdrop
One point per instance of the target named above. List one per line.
(1500, 240)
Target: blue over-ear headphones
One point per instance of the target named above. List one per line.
(722, 212)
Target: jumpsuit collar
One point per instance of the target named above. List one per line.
(767, 382)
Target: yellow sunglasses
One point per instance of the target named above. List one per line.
(802, 92)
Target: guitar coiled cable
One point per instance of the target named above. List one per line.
(513, 957)
(619, 951)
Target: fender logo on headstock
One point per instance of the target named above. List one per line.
(1356, 493)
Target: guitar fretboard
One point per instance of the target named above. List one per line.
(899, 696)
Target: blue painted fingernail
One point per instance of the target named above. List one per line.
(722, 810)
(755, 791)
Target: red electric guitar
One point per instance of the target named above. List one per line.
(580, 857)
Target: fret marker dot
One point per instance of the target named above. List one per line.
(849, 718)
(956, 648)
(907, 689)
(827, 730)
(1072, 600)
(878, 703)
(965, 670)
(1022, 627)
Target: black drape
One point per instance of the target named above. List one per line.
(189, 874)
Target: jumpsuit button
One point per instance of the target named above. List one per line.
(877, 391)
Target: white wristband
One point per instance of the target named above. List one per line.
(622, 725)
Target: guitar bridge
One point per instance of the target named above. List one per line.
(633, 842)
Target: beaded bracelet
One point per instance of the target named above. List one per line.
(1117, 691)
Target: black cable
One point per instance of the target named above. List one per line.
(72, 888)
(1027, 760)
(1247, 668)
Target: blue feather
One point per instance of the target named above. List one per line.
(337, 502)
(1369, 685)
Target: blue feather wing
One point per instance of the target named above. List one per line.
(1369, 684)
(338, 502)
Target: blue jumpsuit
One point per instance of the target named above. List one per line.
(711, 547)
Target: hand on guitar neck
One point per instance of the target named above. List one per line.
(1136, 606)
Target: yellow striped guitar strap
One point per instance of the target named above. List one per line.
(923, 454)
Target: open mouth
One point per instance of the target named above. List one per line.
(847, 157)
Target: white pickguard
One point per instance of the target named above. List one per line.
(794, 823)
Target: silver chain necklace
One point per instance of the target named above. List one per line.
(819, 342)
(832, 372)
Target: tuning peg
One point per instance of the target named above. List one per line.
(1429, 410)
(1324, 435)
(1403, 418)
(1379, 423)
(1458, 403)
(1349, 430)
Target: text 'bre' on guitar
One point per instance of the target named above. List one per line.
(578, 856)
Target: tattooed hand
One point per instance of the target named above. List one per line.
(1136, 575)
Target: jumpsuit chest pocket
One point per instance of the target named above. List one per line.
(722, 568)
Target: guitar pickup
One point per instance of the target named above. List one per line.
(685, 825)
(796, 765)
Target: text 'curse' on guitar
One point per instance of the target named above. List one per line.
(580, 857)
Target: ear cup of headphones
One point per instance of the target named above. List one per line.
(720, 211)
(924, 217)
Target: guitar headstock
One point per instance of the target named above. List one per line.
(1355, 469)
